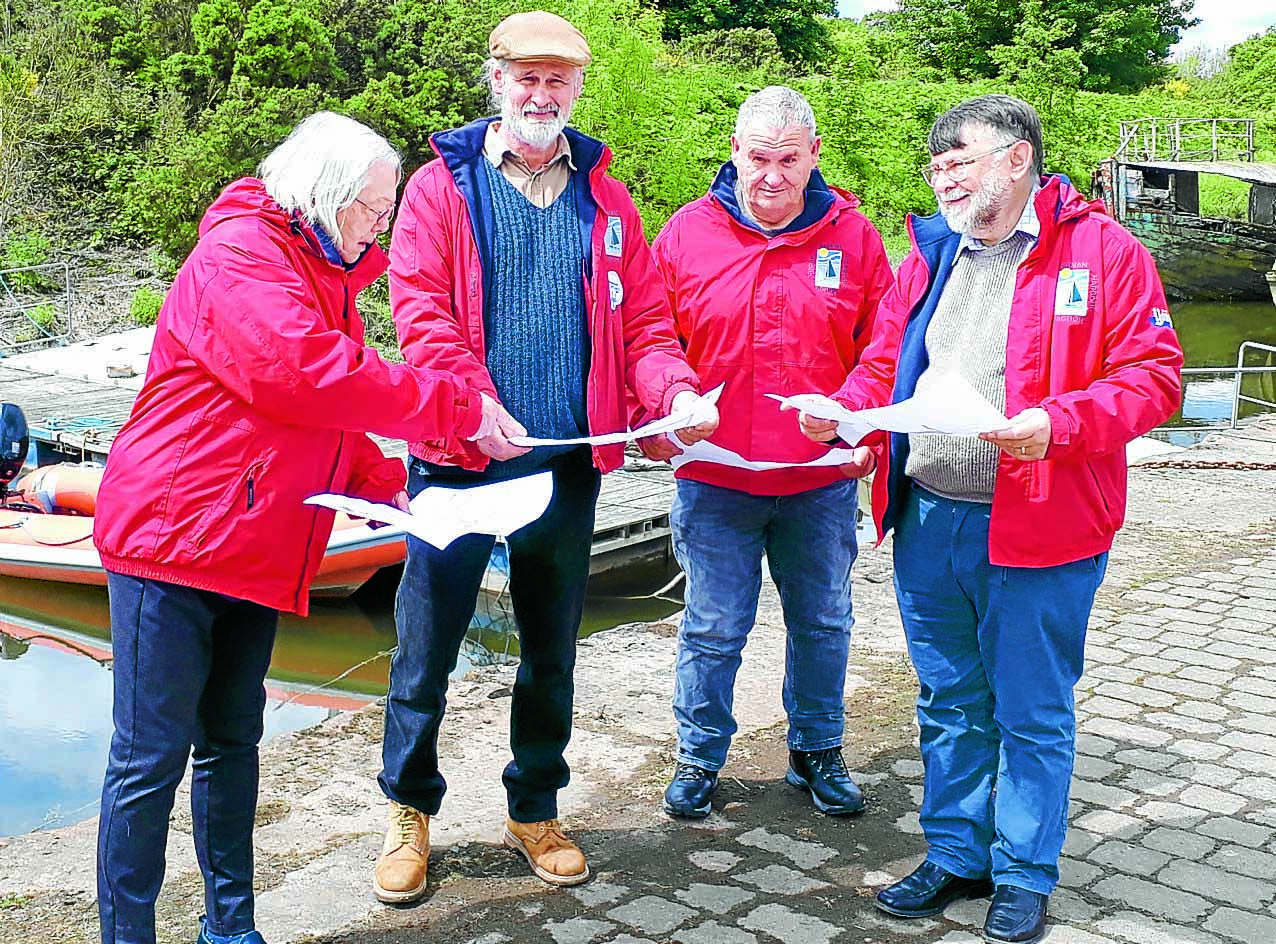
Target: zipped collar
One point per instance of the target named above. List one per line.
(818, 200)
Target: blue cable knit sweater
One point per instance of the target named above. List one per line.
(534, 318)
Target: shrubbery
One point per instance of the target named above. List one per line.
(145, 306)
(123, 119)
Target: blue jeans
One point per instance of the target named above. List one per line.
(720, 535)
(189, 667)
(549, 566)
(997, 652)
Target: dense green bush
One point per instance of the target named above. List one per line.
(144, 308)
(22, 248)
(123, 119)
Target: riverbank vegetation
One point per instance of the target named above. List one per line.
(122, 119)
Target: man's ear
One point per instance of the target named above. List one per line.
(1021, 159)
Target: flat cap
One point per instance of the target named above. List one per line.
(538, 35)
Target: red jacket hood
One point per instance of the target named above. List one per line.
(244, 197)
(247, 199)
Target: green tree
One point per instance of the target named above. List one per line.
(285, 45)
(798, 25)
(1122, 43)
(1249, 78)
(1045, 72)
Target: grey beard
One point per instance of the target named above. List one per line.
(536, 133)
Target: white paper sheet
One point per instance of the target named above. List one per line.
(943, 403)
(705, 451)
(674, 421)
(439, 515)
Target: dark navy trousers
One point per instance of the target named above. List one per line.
(549, 566)
(998, 651)
(189, 668)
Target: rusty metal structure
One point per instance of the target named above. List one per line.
(1153, 186)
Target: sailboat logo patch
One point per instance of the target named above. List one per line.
(828, 268)
(1072, 293)
(611, 240)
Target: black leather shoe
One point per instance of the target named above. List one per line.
(690, 794)
(824, 774)
(1016, 915)
(928, 890)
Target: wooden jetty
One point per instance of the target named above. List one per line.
(1152, 185)
(76, 419)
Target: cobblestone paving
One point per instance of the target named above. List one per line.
(1173, 825)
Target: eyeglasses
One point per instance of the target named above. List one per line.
(957, 171)
(382, 216)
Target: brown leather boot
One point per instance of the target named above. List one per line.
(400, 873)
(553, 857)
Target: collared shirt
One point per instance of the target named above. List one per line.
(1028, 224)
(541, 187)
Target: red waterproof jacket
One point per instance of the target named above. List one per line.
(1090, 341)
(784, 314)
(437, 289)
(256, 395)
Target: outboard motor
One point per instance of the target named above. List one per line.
(15, 438)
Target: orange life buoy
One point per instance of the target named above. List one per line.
(62, 488)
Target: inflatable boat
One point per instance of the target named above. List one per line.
(46, 533)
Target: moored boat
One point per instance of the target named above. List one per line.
(1153, 186)
(46, 533)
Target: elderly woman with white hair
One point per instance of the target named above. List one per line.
(259, 393)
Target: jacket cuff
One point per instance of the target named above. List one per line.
(675, 388)
(1061, 429)
(469, 405)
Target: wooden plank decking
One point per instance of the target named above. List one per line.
(80, 418)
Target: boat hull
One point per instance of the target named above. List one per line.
(59, 549)
(1207, 259)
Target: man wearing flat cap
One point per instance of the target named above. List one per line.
(520, 266)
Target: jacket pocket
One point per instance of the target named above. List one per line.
(1104, 505)
(239, 496)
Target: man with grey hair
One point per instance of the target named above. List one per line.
(258, 394)
(774, 278)
(1055, 314)
(521, 265)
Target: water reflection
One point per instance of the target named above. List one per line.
(1211, 334)
(54, 747)
(55, 681)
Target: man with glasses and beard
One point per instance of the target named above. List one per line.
(1057, 316)
(519, 264)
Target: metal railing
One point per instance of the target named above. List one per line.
(1187, 139)
(30, 319)
(1237, 373)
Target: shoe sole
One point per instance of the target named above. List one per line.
(828, 809)
(695, 812)
(391, 897)
(552, 878)
(971, 895)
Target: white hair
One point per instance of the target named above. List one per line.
(322, 165)
(774, 107)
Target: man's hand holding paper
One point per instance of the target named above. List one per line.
(944, 403)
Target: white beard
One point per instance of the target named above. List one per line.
(981, 208)
(538, 134)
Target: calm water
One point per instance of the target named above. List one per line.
(55, 684)
(1210, 335)
(55, 688)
